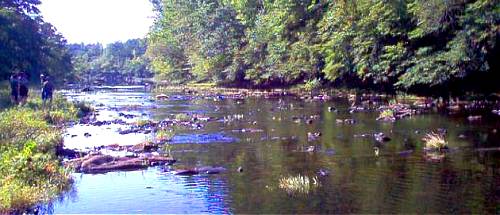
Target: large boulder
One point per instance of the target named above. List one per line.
(106, 163)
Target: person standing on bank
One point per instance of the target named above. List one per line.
(47, 90)
(23, 87)
(14, 89)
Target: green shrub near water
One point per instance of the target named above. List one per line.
(30, 172)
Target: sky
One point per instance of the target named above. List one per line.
(103, 21)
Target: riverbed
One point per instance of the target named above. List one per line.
(266, 145)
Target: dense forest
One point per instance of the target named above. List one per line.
(417, 45)
(117, 63)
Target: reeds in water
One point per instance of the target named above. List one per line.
(299, 184)
(435, 141)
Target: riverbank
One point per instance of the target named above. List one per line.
(30, 136)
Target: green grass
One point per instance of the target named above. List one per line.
(30, 171)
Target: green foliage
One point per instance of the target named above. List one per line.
(30, 44)
(29, 169)
(117, 63)
(312, 84)
(400, 44)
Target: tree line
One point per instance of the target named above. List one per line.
(411, 45)
(117, 63)
(31, 45)
(414, 45)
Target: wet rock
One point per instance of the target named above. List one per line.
(323, 172)
(69, 153)
(187, 172)
(97, 163)
(126, 116)
(249, 130)
(363, 135)
(345, 121)
(310, 149)
(144, 147)
(86, 134)
(200, 170)
(381, 137)
(349, 121)
(496, 112)
(161, 97)
(311, 136)
(211, 170)
(475, 118)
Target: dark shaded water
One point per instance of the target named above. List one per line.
(268, 138)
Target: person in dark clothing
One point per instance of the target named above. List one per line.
(14, 89)
(23, 88)
(47, 89)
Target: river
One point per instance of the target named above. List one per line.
(267, 141)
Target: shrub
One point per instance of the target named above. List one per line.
(30, 172)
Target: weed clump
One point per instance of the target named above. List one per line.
(435, 141)
(298, 184)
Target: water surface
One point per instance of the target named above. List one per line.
(268, 139)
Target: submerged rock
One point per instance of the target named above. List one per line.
(200, 170)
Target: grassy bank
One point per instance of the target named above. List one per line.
(30, 171)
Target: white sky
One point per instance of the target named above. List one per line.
(104, 21)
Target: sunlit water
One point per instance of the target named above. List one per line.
(351, 178)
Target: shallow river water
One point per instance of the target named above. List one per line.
(268, 140)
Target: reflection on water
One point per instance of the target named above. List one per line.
(149, 191)
(269, 141)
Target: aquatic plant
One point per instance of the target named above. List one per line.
(182, 117)
(435, 141)
(312, 84)
(142, 122)
(298, 184)
(164, 135)
(387, 115)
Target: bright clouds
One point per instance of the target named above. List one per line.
(104, 21)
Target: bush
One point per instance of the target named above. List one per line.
(30, 172)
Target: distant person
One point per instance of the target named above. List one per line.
(14, 89)
(47, 90)
(23, 87)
